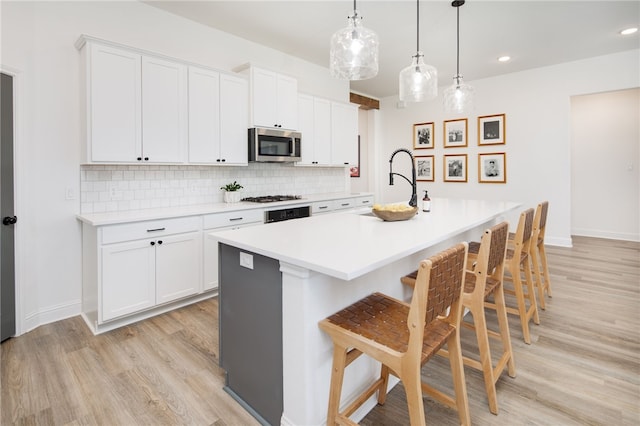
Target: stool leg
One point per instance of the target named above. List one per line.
(382, 392)
(480, 323)
(503, 323)
(535, 259)
(545, 269)
(522, 307)
(337, 376)
(531, 292)
(459, 385)
(411, 379)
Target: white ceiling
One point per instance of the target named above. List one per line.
(533, 33)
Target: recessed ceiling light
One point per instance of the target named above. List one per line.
(504, 58)
(629, 31)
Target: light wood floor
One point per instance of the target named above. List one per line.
(582, 368)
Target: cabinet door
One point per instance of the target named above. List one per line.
(204, 115)
(287, 102)
(164, 108)
(178, 266)
(322, 129)
(128, 278)
(306, 127)
(344, 134)
(233, 120)
(263, 97)
(114, 123)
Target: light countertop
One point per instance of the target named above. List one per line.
(348, 245)
(110, 218)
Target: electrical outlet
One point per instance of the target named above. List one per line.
(69, 193)
(246, 260)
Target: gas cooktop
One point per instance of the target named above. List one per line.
(271, 198)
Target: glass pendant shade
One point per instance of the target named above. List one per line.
(354, 51)
(418, 81)
(460, 97)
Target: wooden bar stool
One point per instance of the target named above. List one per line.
(403, 337)
(517, 262)
(483, 281)
(539, 255)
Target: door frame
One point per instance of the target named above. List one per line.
(18, 183)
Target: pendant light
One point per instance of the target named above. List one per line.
(418, 81)
(354, 50)
(459, 98)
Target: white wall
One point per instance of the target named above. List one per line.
(538, 124)
(37, 41)
(605, 153)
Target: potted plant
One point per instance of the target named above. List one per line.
(231, 194)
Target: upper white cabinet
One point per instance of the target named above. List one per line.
(273, 98)
(217, 118)
(314, 115)
(233, 119)
(136, 107)
(143, 108)
(114, 104)
(344, 133)
(329, 131)
(164, 110)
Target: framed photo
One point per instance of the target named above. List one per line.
(455, 133)
(491, 129)
(492, 168)
(455, 168)
(424, 168)
(422, 135)
(354, 171)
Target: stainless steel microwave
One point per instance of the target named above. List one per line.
(274, 145)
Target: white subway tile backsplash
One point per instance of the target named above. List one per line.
(144, 187)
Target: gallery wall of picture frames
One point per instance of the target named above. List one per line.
(492, 166)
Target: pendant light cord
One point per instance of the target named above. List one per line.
(458, 41)
(417, 27)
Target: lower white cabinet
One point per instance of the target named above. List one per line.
(131, 269)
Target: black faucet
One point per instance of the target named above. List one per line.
(414, 195)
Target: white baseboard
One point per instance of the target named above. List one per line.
(555, 241)
(50, 314)
(598, 233)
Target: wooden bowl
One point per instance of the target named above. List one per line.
(389, 216)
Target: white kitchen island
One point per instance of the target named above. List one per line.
(328, 262)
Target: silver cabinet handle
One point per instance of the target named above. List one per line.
(155, 230)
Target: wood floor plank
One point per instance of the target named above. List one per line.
(582, 368)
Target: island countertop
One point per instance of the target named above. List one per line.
(351, 244)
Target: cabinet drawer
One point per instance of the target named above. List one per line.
(322, 207)
(149, 229)
(346, 203)
(364, 201)
(241, 217)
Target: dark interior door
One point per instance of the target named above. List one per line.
(7, 257)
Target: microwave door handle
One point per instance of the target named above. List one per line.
(291, 146)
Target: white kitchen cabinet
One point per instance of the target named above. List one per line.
(273, 98)
(217, 118)
(344, 134)
(233, 120)
(223, 222)
(136, 106)
(204, 115)
(314, 117)
(178, 266)
(114, 104)
(164, 110)
(128, 279)
(131, 269)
